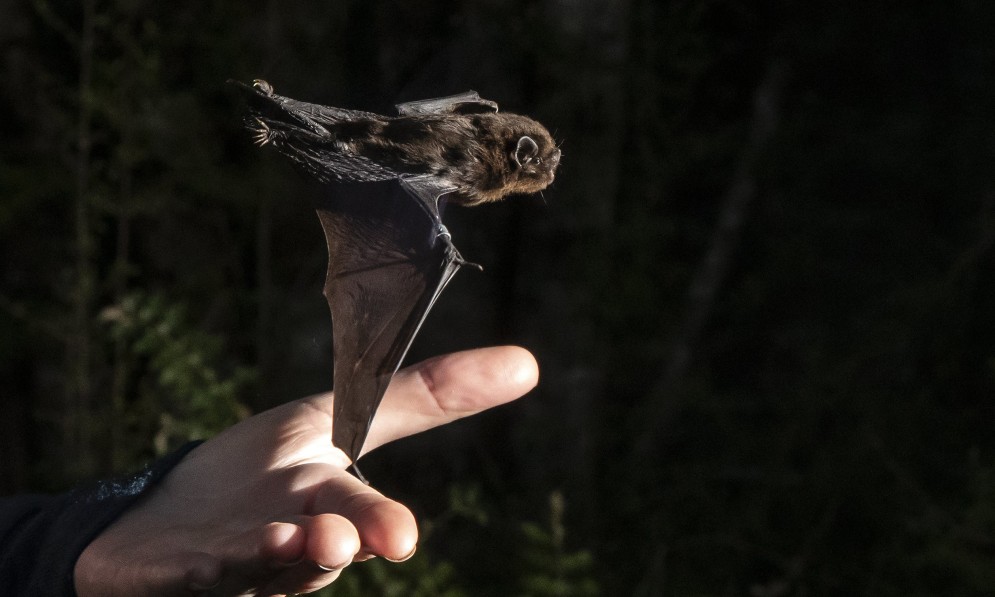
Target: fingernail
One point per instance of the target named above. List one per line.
(325, 568)
(362, 557)
(401, 559)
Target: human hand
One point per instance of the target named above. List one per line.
(267, 507)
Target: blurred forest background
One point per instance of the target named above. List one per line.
(761, 290)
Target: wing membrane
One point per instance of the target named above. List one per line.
(469, 102)
(387, 266)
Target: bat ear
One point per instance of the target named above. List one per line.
(526, 151)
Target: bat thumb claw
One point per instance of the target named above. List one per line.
(464, 263)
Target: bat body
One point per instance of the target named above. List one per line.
(390, 256)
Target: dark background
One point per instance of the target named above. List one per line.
(760, 290)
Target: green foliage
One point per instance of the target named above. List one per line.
(547, 569)
(539, 566)
(425, 574)
(418, 576)
(178, 390)
(466, 502)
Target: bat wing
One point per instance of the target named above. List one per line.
(389, 258)
(468, 102)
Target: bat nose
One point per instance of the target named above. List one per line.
(555, 158)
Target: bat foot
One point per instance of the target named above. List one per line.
(262, 134)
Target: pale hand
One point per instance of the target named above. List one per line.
(268, 508)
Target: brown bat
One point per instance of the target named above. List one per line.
(389, 255)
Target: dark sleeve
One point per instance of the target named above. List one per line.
(42, 536)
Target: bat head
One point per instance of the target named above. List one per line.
(532, 156)
(513, 155)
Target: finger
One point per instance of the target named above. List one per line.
(270, 545)
(385, 527)
(446, 388)
(248, 558)
(284, 555)
(302, 579)
(332, 542)
(282, 544)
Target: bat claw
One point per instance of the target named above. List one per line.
(464, 263)
(475, 266)
(263, 86)
(262, 134)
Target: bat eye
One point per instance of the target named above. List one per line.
(526, 151)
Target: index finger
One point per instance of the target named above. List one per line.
(446, 388)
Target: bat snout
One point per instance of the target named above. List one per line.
(554, 159)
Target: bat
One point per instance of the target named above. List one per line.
(384, 180)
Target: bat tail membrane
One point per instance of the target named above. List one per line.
(261, 96)
(275, 110)
(304, 133)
